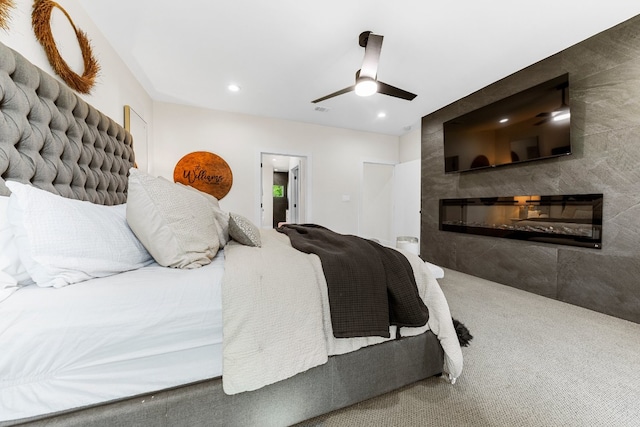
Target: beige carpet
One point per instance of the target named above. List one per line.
(534, 361)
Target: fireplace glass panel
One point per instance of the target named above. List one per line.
(574, 220)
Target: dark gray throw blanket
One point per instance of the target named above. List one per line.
(370, 286)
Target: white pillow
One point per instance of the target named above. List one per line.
(10, 263)
(8, 285)
(63, 241)
(9, 259)
(177, 224)
(437, 271)
(222, 217)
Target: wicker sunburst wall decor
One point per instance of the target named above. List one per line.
(5, 13)
(41, 22)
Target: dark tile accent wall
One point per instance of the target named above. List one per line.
(604, 74)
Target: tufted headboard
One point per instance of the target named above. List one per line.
(55, 140)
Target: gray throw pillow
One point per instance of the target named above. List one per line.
(243, 231)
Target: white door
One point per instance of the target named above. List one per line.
(406, 197)
(376, 213)
(270, 163)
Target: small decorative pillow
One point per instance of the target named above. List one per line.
(63, 241)
(244, 231)
(177, 224)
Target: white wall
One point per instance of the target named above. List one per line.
(410, 144)
(335, 157)
(115, 85)
(266, 220)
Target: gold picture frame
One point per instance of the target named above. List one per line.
(137, 127)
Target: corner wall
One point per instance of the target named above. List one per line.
(604, 75)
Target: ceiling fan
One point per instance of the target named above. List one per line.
(367, 82)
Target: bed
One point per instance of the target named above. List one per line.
(109, 320)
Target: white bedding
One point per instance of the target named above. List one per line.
(276, 330)
(107, 338)
(155, 327)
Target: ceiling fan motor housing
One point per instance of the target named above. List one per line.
(364, 38)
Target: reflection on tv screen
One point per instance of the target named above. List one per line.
(530, 125)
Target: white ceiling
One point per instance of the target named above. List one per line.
(286, 53)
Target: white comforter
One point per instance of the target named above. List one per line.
(108, 338)
(280, 323)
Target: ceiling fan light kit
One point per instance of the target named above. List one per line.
(366, 86)
(367, 83)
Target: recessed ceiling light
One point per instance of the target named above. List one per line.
(382, 115)
(505, 120)
(233, 87)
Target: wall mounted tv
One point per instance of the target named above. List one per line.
(530, 125)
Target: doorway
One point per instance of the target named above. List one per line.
(283, 189)
(280, 192)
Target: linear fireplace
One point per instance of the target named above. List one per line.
(574, 220)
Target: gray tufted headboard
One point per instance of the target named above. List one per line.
(55, 140)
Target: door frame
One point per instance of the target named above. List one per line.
(304, 178)
(294, 200)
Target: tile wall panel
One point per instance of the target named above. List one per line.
(604, 75)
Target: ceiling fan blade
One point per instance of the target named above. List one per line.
(386, 89)
(371, 56)
(340, 92)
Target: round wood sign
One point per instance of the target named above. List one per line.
(205, 171)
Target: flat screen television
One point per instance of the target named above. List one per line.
(530, 125)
